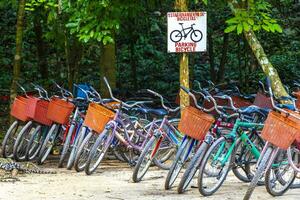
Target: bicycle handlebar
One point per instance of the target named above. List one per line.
(22, 88)
(162, 102)
(118, 100)
(275, 106)
(63, 90)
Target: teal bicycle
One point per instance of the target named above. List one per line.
(239, 148)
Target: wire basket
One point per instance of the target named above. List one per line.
(280, 130)
(37, 110)
(97, 117)
(18, 108)
(195, 123)
(263, 101)
(59, 110)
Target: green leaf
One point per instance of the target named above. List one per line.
(250, 21)
(256, 27)
(266, 28)
(233, 20)
(230, 29)
(277, 28)
(246, 26)
(239, 29)
(205, 2)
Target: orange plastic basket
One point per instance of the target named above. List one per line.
(37, 110)
(297, 94)
(59, 110)
(18, 109)
(195, 123)
(97, 117)
(280, 130)
(240, 102)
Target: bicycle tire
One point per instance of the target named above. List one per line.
(105, 138)
(46, 148)
(259, 172)
(66, 146)
(192, 168)
(12, 130)
(75, 146)
(173, 36)
(33, 147)
(83, 152)
(20, 145)
(202, 171)
(176, 165)
(135, 176)
(269, 182)
(246, 167)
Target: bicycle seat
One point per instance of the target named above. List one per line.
(154, 111)
(180, 23)
(287, 106)
(254, 109)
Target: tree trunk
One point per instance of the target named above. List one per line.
(133, 63)
(75, 54)
(266, 65)
(108, 67)
(262, 59)
(18, 54)
(40, 46)
(211, 58)
(181, 5)
(221, 72)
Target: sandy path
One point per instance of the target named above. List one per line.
(113, 181)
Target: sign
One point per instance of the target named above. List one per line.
(187, 31)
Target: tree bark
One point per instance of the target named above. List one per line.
(40, 46)
(221, 72)
(108, 67)
(266, 65)
(181, 5)
(18, 54)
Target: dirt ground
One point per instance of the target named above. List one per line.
(113, 181)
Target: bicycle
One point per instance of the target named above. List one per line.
(195, 34)
(165, 138)
(279, 132)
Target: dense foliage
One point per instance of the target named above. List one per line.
(75, 32)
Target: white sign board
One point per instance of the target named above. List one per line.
(187, 31)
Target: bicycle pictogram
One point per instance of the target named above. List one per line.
(195, 34)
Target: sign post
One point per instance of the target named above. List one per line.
(187, 32)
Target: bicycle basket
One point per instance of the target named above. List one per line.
(18, 108)
(37, 110)
(59, 110)
(97, 117)
(195, 123)
(240, 102)
(280, 130)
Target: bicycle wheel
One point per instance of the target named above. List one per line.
(178, 163)
(176, 36)
(66, 145)
(34, 144)
(244, 161)
(84, 150)
(192, 168)
(77, 142)
(22, 141)
(196, 36)
(214, 169)
(145, 160)
(280, 176)
(9, 140)
(99, 150)
(259, 172)
(48, 143)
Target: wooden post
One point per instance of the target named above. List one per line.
(181, 5)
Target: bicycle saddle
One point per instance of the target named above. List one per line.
(154, 111)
